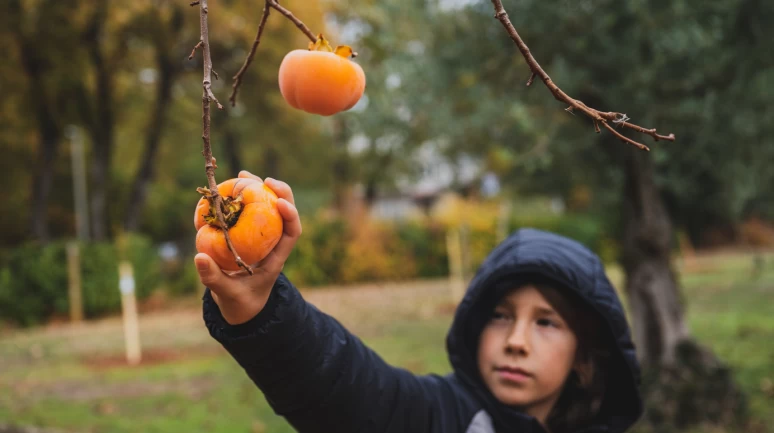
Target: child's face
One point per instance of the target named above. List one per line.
(526, 352)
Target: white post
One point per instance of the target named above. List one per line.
(129, 308)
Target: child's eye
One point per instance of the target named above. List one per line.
(498, 315)
(546, 322)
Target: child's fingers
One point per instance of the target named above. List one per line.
(244, 174)
(281, 189)
(292, 230)
(290, 219)
(210, 273)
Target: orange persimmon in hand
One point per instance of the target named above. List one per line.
(254, 223)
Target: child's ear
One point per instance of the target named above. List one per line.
(584, 371)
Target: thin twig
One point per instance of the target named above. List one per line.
(289, 15)
(193, 52)
(216, 201)
(238, 77)
(268, 4)
(624, 138)
(652, 132)
(194, 3)
(596, 115)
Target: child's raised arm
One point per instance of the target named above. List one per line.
(312, 371)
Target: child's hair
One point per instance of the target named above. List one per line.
(581, 398)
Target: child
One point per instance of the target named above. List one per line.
(538, 344)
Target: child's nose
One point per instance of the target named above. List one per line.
(518, 340)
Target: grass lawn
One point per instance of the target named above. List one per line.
(73, 379)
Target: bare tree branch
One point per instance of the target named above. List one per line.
(214, 197)
(238, 77)
(267, 6)
(596, 115)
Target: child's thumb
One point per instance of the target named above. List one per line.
(209, 272)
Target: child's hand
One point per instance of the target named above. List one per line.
(242, 296)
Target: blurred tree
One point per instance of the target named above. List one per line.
(98, 103)
(30, 29)
(162, 25)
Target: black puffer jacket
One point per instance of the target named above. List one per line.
(322, 378)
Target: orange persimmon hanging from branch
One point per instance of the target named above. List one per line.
(321, 80)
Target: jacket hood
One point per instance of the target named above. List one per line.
(531, 255)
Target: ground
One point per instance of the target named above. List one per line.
(75, 379)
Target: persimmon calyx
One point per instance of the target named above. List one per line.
(322, 45)
(230, 206)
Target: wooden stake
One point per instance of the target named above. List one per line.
(74, 292)
(503, 219)
(129, 308)
(465, 253)
(456, 275)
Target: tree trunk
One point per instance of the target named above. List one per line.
(41, 185)
(342, 170)
(49, 132)
(657, 310)
(102, 126)
(100, 173)
(165, 37)
(156, 124)
(684, 383)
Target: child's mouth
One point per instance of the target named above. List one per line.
(513, 374)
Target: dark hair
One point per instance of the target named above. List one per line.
(581, 399)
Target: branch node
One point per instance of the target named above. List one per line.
(621, 120)
(196, 47)
(193, 3)
(531, 79)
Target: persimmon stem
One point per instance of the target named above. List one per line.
(215, 199)
(597, 116)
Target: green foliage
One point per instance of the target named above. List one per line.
(427, 243)
(36, 285)
(35, 280)
(319, 253)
